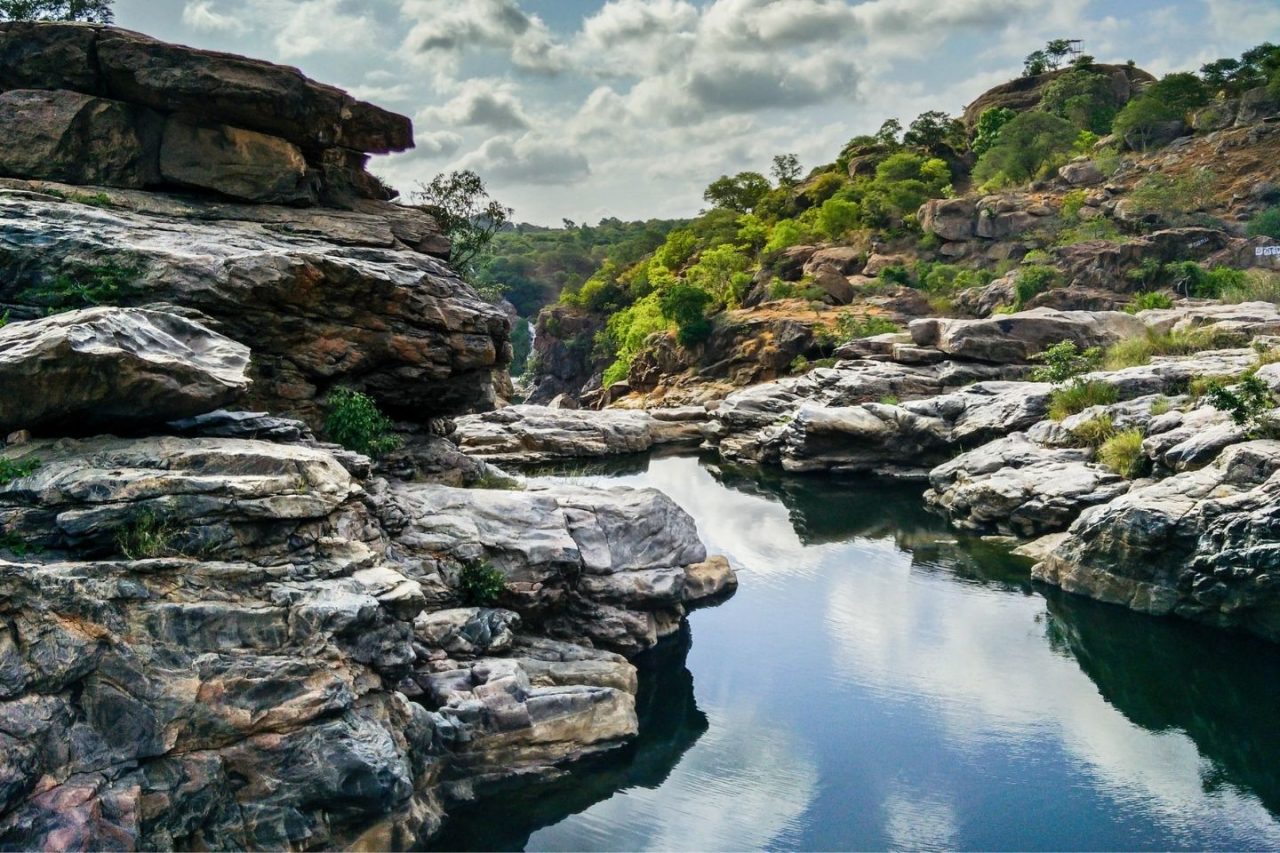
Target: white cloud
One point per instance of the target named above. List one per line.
(529, 159)
(442, 29)
(479, 103)
(202, 16)
(316, 26)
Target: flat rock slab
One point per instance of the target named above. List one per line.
(103, 368)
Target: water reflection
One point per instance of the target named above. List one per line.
(881, 681)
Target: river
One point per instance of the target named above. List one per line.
(880, 681)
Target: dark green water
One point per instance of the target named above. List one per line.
(880, 682)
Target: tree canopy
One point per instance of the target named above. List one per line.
(465, 212)
(95, 11)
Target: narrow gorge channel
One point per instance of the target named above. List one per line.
(881, 681)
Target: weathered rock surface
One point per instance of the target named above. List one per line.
(1200, 545)
(379, 317)
(1014, 338)
(533, 434)
(272, 668)
(112, 368)
(243, 164)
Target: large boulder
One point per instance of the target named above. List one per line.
(1024, 93)
(239, 163)
(533, 434)
(68, 136)
(949, 218)
(1016, 337)
(321, 301)
(113, 368)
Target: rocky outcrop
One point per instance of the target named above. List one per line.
(323, 299)
(1198, 544)
(534, 434)
(1014, 338)
(101, 369)
(101, 105)
(181, 615)
(1024, 93)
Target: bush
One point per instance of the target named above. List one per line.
(1266, 223)
(1191, 279)
(896, 274)
(83, 287)
(851, 326)
(1032, 279)
(1064, 361)
(1133, 352)
(1032, 145)
(837, 217)
(686, 306)
(1173, 198)
(786, 233)
(1148, 301)
(626, 332)
(1094, 432)
(1248, 402)
(357, 424)
(1257, 286)
(1122, 453)
(1072, 203)
(1078, 395)
(1169, 99)
(146, 537)
(480, 584)
(11, 470)
(1083, 97)
(987, 130)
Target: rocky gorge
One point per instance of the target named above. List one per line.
(217, 630)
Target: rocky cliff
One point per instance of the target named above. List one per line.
(217, 630)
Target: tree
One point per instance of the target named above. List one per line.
(988, 127)
(95, 11)
(1049, 58)
(786, 170)
(465, 212)
(889, 133)
(1035, 64)
(1029, 145)
(1083, 97)
(933, 131)
(742, 192)
(1169, 99)
(686, 306)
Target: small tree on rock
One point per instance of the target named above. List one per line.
(465, 212)
(786, 170)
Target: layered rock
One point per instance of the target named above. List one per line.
(535, 434)
(101, 105)
(106, 368)
(362, 308)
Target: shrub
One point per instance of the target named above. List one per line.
(837, 217)
(1248, 402)
(83, 287)
(1161, 405)
(480, 584)
(626, 332)
(1094, 432)
(896, 274)
(1122, 453)
(1266, 223)
(1064, 361)
(799, 365)
(987, 130)
(1078, 395)
(1030, 146)
(1194, 280)
(146, 537)
(11, 470)
(1169, 99)
(1072, 203)
(1083, 97)
(1173, 198)
(1257, 286)
(1032, 279)
(851, 326)
(1136, 351)
(357, 424)
(1147, 301)
(686, 305)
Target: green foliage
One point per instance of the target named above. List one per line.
(1048, 58)
(1031, 280)
(1191, 279)
(1032, 145)
(1073, 203)
(84, 286)
(786, 170)
(837, 217)
(357, 424)
(521, 345)
(11, 470)
(1161, 405)
(987, 130)
(497, 482)
(852, 326)
(935, 132)
(95, 11)
(1064, 360)
(824, 187)
(466, 213)
(1266, 223)
(1248, 402)
(1251, 70)
(1257, 286)
(1122, 453)
(943, 279)
(686, 305)
(896, 274)
(1083, 97)
(786, 233)
(480, 584)
(1147, 301)
(1079, 394)
(741, 192)
(1137, 351)
(146, 537)
(722, 273)
(1094, 432)
(1173, 198)
(626, 332)
(1170, 99)
(676, 250)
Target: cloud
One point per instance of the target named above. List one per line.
(317, 26)
(439, 143)
(441, 30)
(530, 159)
(480, 103)
(202, 16)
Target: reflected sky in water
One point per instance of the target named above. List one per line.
(881, 682)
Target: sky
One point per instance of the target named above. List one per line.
(585, 109)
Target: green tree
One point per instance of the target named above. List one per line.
(988, 127)
(1169, 99)
(889, 133)
(934, 131)
(742, 192)
(686, 306)
(1027, 147)
(95, 11)
(1084, 98)
(786, 170)
(465, 212)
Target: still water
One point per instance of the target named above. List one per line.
(881, 682)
